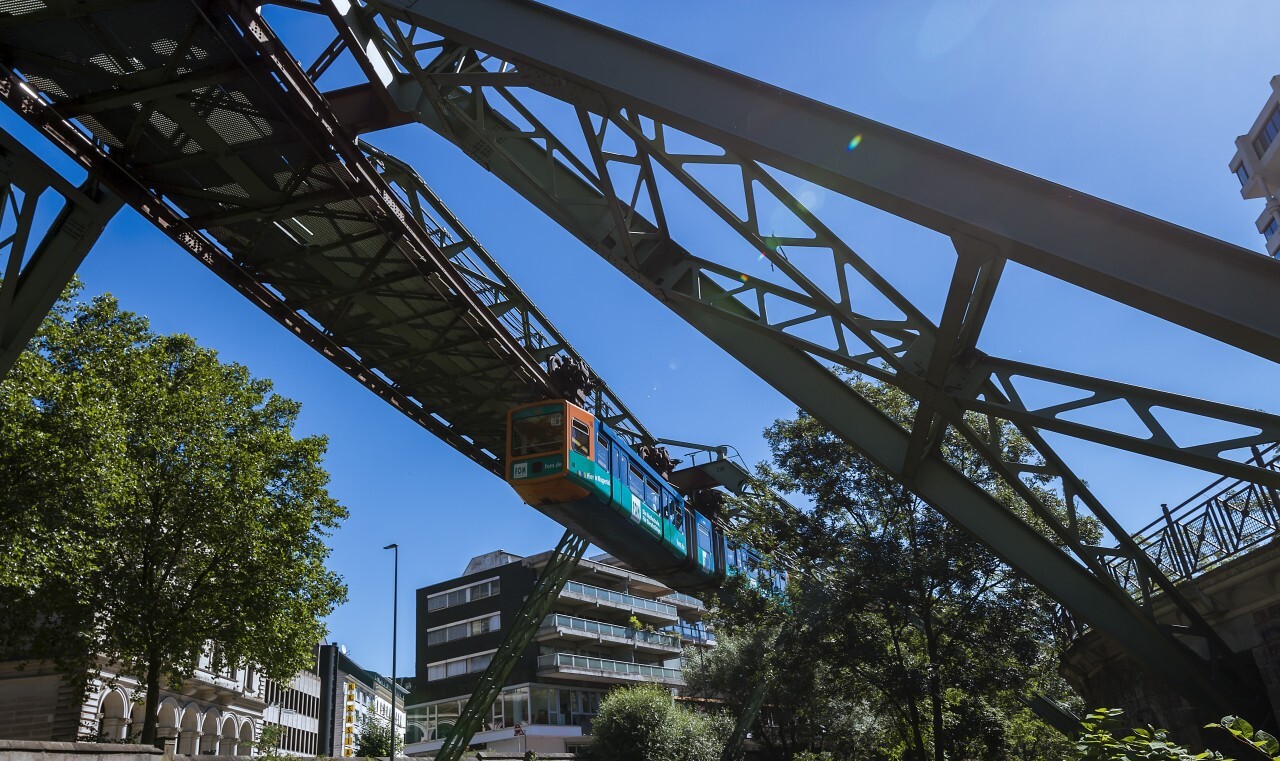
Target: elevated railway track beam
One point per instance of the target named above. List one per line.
(196, 116)
(466, 70)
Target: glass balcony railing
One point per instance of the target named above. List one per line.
(568, 660)
(610, 630)
(681, 597)
(689, 632)
(619, 598)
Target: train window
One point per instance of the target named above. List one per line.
(637, 482)
(537, 434)
(651, 497)
(602, 452)
(580, 438)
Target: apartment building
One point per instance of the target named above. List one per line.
(609, 626)
(1257, 165)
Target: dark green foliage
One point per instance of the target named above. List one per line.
(1104, 739)
(374, 739)
(901, 630)
(643, 723)
(154, 500)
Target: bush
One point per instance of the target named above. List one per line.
(643, 723)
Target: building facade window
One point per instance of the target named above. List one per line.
(1268, 133)
(1242, 173)
(463, 595)
(1271, 228)
(467, 664)
(463, 629)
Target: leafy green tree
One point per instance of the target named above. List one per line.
(155, 501)
(806, 708)
(374, 738)
(921, 626)
(643, 723)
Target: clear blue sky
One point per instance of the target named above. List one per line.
(1138, 103)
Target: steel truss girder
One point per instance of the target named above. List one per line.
(32, 277)
(495, 288)
(564, 558)
(457, 84)
(185, 140)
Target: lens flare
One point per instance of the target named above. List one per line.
(743, 278)
(855, 142)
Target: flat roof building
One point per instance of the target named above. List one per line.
(608, 626)
(1257, 165)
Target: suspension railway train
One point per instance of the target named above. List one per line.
(576, 470)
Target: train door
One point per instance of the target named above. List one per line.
(673, 527)
(706, 554)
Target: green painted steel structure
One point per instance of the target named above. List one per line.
(197, 116)
(521, 632)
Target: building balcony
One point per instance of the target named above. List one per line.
(590, 669)
(573, 629)
(1257, 158)
(692, 635)
(689, 607)
(578, 595)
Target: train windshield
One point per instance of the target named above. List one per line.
(538, 433)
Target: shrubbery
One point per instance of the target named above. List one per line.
(643, 723)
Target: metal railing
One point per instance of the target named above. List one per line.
(619, 598)
(610, 630)
(689, 632)
(1225, 519)
(685, 599)
(569, 660)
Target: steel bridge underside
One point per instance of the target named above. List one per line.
(202, 121)
(220, 140)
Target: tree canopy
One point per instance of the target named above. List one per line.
(155, 500)
(903, 637)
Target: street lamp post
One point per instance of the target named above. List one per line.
(395, 611)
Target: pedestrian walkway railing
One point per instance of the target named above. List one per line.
(1225, 519)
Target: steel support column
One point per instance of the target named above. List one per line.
(520, 633)
(32, 278)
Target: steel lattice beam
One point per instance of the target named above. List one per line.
(461, 69)
(37, 267)
(202, 121)
(520, 633)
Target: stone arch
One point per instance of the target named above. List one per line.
(189, 732)
(209, 734)
(167, 718)
(228, 745)
(113, 716)
(137, 718)
(246, 739)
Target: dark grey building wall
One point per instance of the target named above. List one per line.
(516, 581)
